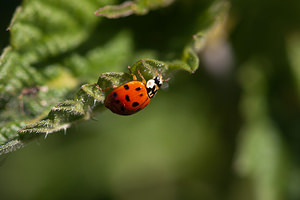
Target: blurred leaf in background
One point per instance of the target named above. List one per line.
(229, 131)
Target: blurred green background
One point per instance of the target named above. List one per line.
(229, 131)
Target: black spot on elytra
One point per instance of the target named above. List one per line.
(115, 94)
(141, 95)
(135, 104)
(127, 98)
(117, 101)
(138, 88)
(122, 108)
(126, 87)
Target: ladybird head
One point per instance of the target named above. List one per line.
(153, 85)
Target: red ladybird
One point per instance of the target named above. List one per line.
(133, 96)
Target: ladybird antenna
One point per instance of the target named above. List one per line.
(167, 79)
(160, 76)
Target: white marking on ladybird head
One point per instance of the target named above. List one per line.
(150, 84)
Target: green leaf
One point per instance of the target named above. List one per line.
(58, 50)
(46, 28)
(139, 7)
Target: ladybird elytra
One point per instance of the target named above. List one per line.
(132, 96)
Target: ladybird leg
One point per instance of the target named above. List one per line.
(133, 76)
(98, 87)
(155, 70)
(103, 90)
(143, 79)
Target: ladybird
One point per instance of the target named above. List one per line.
(132, 96)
